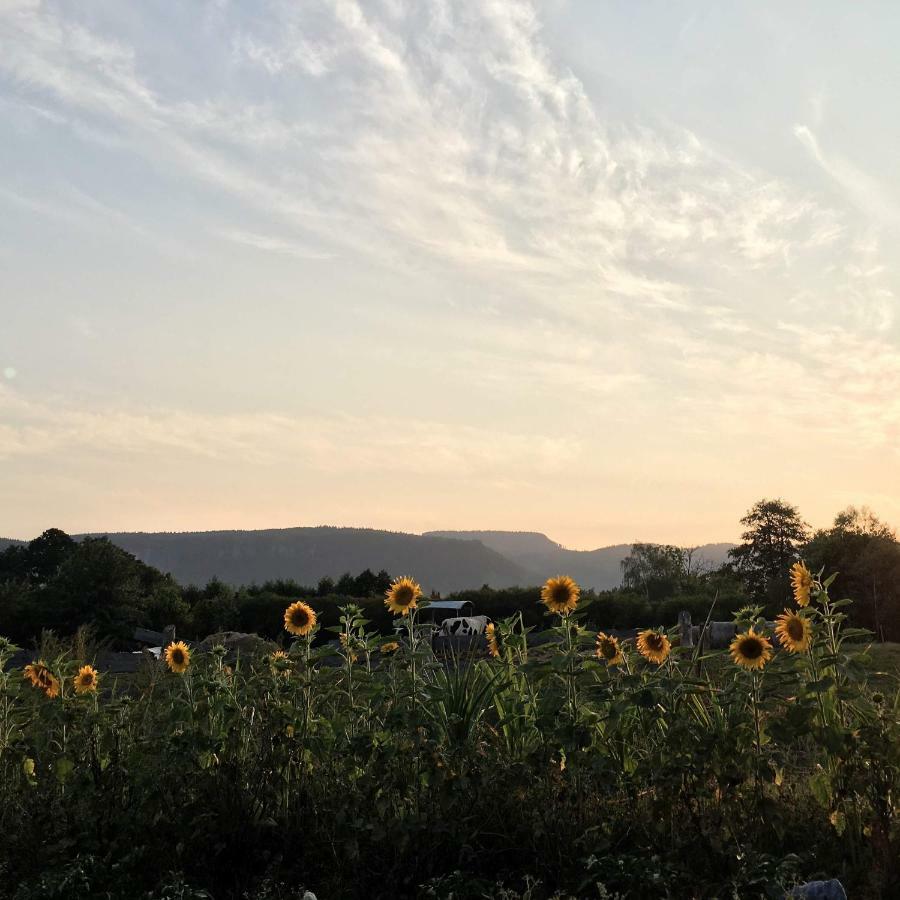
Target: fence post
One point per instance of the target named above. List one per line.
(684, 624)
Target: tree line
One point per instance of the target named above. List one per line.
(57, 583)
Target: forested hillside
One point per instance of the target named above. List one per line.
(600, 569)
(309, 554)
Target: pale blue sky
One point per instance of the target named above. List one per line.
(612, 271)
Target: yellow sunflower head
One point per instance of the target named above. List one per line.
(389, 648)
(560, 594)
(35, 672)
(346, 645)
(751, 650)
(178, 657)
(493, 640)
(654, 646)
(402, 596)
(794, 632)
(86, 680)
(41, 677)
(608, 650)
(52, 687)
(802, 583)
(299, 618)
(279, 662)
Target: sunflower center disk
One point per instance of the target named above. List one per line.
(752, 649)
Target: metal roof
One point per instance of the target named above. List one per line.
(448, 604)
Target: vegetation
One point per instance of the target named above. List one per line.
(610, 769)
(57, 583)
(774, 536)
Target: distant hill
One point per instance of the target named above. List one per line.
(537, 554)
(308, 554)
(441, 560)
(9, 542)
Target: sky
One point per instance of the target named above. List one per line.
(609, 271)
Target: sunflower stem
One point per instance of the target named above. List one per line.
(755, 694)
(570, 652)
(814, 667)
(833, 645)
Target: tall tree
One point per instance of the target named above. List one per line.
(865, 553)
(654, 570)
(38, 561)
(773, 537)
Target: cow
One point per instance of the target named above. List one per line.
(464, 626)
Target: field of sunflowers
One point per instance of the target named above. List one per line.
(605, 768)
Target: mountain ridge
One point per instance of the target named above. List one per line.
(307, 554)
(442, 561)
(600, 569)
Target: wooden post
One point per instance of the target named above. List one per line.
(684, 624)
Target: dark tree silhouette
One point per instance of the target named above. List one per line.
(772, 540)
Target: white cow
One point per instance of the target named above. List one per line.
(463, 626)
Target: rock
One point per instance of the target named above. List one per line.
(235, 642)
(820, 890)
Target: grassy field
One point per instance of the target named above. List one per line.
(885, 657)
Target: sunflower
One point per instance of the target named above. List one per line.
(389, 648)
(178, 657)
(654, 645)
(794, 632)
(751, 650)
(35, 673)
(279, 662)
(402, 596)
(345, 645)
(801, 582)
(493, 641)
(608, 649)
(560, 594)
(86, 680)
(299, 618)
(52, 687)
(41, 677)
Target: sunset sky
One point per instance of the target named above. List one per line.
(610, 271)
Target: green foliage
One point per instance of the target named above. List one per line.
(655, 571)
(866, 555)
(55, 583)
(773, 537)
(539, 774)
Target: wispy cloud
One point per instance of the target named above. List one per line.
(864, 190)
(274, 244)
(529, 238)
(333, 445)
(508, 164)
